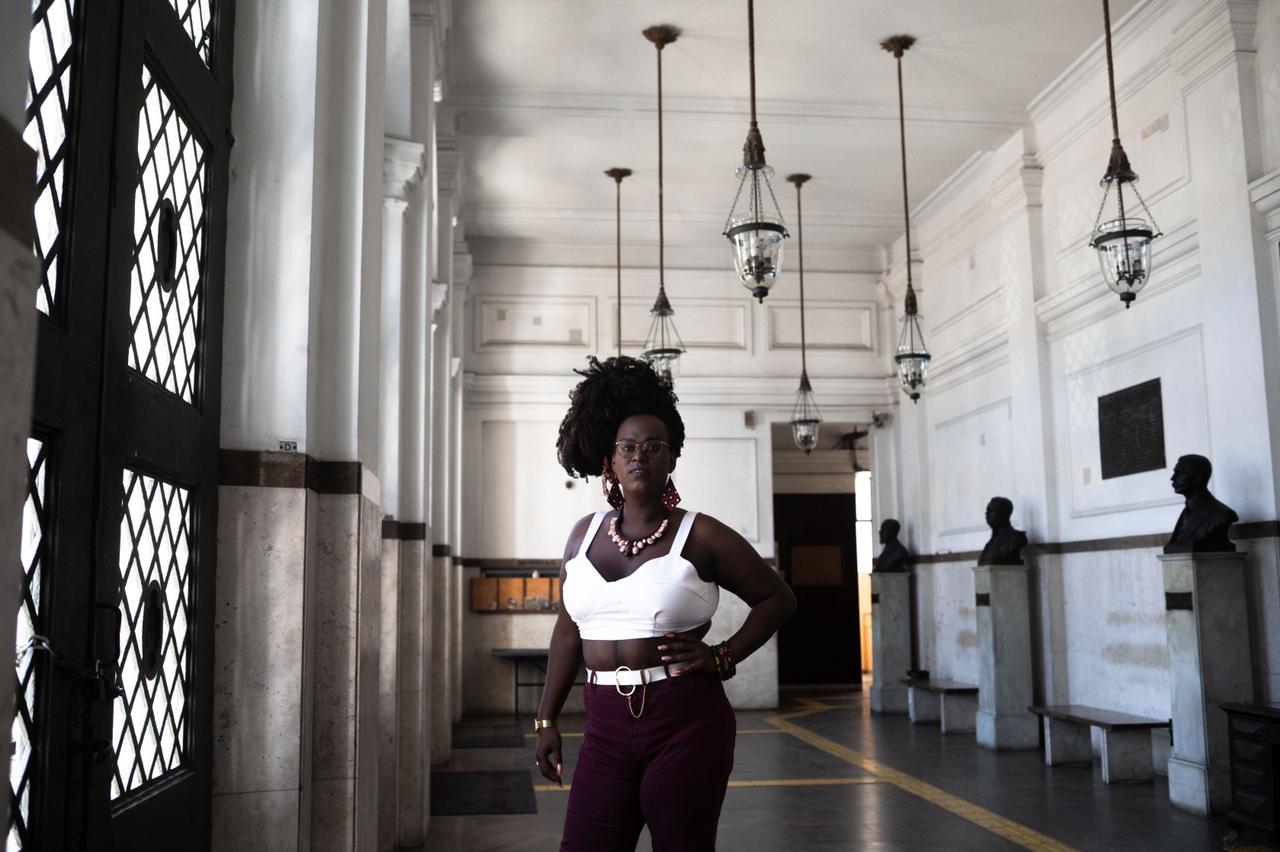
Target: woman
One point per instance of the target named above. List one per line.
(639, 587)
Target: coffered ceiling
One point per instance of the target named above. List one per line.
(547, 94)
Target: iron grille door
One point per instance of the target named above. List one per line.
(157, 499)
(73, 53)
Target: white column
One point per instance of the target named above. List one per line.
(337, 231)
(426, 34)
(288, 135)
(402, 164)
(402, 167)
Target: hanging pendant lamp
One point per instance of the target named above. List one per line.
(618, 174)
(912, 358)
(805, 416)
(662, 346)
(1123, 241)
(755, 227)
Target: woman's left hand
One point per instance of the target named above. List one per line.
(685, 653)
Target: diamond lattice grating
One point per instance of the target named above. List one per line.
(49, 72)
(167, 316)
(197, 20)
(150, 721)
(35, 523)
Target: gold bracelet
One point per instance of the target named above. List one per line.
(539, 724)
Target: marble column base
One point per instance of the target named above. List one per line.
(890, 641)
(415, 753)
(1007, 731)
(389, 696)
(441, 678)
(1198, 788)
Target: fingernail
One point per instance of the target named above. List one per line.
(559, 768)
(665, 659)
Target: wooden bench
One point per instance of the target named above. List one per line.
(1126, 739)
(952, 704)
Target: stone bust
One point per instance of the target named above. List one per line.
(1205, 522)
(1006, 543)
(893, 559)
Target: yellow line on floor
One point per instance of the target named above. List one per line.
(1016, 832)
(779, 782)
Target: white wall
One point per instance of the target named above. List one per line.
(1025, 337)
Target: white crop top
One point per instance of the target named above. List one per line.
(663, 595)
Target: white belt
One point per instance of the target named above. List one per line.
(625, 676)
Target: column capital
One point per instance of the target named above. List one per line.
(439, 297)
(403, 162)
(1017, 188)
(1210, 36)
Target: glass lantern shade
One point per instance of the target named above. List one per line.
(1124, 254)
(805, 417)
(912, 358)
(756, 231)
(662, 345)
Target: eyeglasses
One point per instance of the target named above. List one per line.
(651, 449)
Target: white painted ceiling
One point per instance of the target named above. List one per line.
(547, 94)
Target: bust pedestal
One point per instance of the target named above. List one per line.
(1210, 663)
(890, 641)
(1004, 659)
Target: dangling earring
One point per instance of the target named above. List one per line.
(670, 496)
(613, 493)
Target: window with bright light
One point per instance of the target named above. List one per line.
(863, 534)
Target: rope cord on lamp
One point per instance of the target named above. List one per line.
(663, 346)
(618, 173)
(805, 416)
(912, 359)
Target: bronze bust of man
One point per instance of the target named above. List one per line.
(893, 559)
(1205, 522)
(1006, 543)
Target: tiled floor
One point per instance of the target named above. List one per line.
(821, 773)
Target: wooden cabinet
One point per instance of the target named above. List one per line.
(1254, 731)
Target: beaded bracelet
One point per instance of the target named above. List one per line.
(725, 666)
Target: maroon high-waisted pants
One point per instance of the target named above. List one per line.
(668, 769)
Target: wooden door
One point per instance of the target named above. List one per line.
(817, 557)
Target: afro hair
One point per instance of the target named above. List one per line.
(611, 391)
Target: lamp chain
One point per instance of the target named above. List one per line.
(906, 209)
(1111, 71)
(617, 206)
(751, 51)
(804, 364)
(662, 284)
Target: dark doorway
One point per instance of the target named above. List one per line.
(817, 557)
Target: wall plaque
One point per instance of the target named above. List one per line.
(1131, 430)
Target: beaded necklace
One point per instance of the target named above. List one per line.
(630, 547)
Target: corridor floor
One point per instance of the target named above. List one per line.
(822, 773)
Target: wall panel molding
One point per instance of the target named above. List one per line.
(839, 326)
(502, 322)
